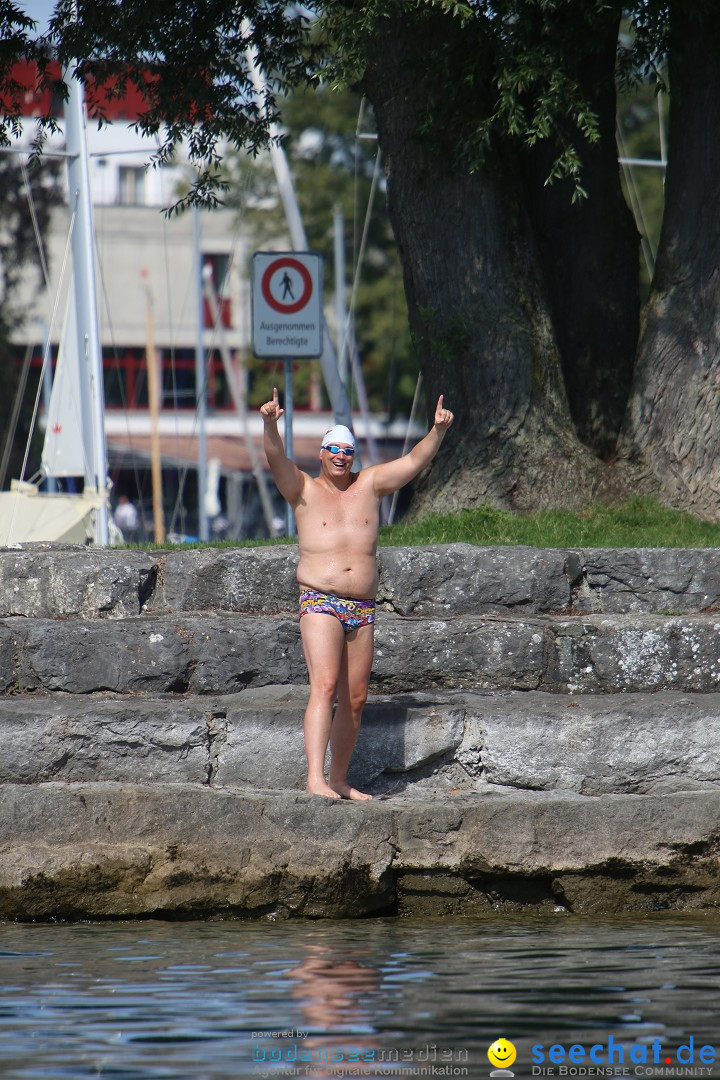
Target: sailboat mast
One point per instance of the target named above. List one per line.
(200, 381)
(88, 336)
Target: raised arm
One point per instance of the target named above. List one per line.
(396, 474)
(289, 479)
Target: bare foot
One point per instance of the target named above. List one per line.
(347, 792)
(321, 788)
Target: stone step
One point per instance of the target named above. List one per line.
(253, 739)
(224, 653)
(119, 850)
(439, 581)
(422, 744)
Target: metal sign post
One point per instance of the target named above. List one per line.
(287, 319)
(289, 448)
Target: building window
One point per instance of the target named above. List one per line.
(220, 266)
(131, 185)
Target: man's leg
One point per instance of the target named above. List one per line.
(352, 694)
(323, 640)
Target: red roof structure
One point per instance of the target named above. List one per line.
(39, 100)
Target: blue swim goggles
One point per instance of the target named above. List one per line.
(348, 451)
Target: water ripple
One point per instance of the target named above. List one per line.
(205, 1001)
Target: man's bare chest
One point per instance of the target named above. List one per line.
(355, 508)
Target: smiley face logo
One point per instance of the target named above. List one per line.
(502, 1053)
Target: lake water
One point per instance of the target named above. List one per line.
(371, 998)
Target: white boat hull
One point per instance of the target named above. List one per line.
(29, 516)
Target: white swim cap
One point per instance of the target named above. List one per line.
(338, 434)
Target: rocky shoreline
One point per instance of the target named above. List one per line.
(542, 733)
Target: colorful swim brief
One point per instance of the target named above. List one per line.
(350, 613)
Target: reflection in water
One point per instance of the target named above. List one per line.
(333, 989)
(192, 1001)
(331, 986)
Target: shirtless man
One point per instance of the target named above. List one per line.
(338, 516)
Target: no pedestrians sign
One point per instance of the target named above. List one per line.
(287, 303)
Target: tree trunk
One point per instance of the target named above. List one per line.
(589, 249)
(672, 431)
(478, 316)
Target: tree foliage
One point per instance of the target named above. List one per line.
(504, 70)
(513, 76)
(16, 42)
(190, 61)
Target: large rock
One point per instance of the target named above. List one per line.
(463, 579)
(210, 654)
(109, 739)
(456, 579)
(262, 745)
(107, 850)
(514, 850)
(9, 670)
(252, 580)
(446, 579)
(467, 651)
(224, 653)
(620, 653)
(594, 745)
(45, 582)
(441, 580)
(677, 580)
(103, 850)
(219, 654)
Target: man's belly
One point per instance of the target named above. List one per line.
(355, 577)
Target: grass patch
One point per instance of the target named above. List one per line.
(641, 522)
(196, 545)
